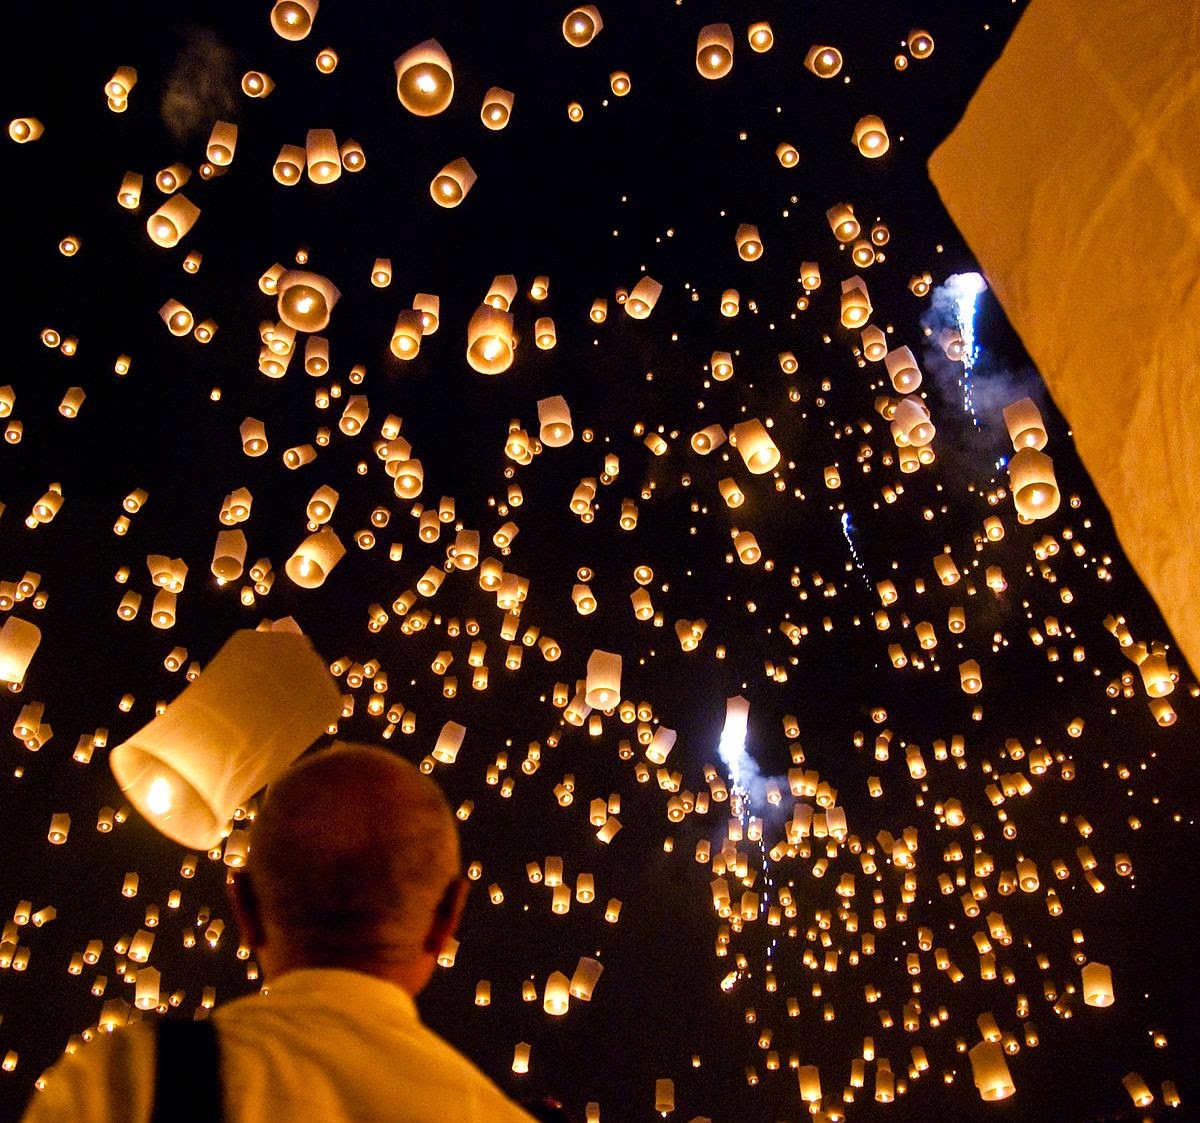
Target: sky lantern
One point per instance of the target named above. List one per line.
(714, 50)
(582, 25)
(1025, 427)
(451, 185)
(760, 36)
(167, 225)
(554, 422)
(496, 109)
(823, 61)
(870, 136)
(293, 19)
(306, 300)
(314, 558)
(425, 79)
(643, 297)
(187, 774)
(1034, 488)
(490, 340)
(19, 640)
(757, 450)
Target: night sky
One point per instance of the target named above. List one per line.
(654, 183)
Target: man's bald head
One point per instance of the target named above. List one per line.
(351, 858)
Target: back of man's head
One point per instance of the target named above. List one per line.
(350, 859)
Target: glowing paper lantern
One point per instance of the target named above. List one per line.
(425, 79)
(643, 298)
(1097, 985)
(406, 335)
(920, 43)
(222, 143)
(761, 37)
(619, 82)
(293, 19)
(322, 157)
(496, 109)
(450, 186)
(1025, 427)
(314, 558)
(172, 221)
(903, 370)
(256, 84)
(757, 450)
(289, 165)
(19, 640)
(24, 129)
(490, 340)
(824, 62)
(259, 703)
(714, 50)
(787, 154)
(749, 244)
(603, 689)
(842, 222)
(990, 1071)
(582, 25)
(1031, 479)
(870, 136)
(856, 303)
(306, 300)
(554, 422)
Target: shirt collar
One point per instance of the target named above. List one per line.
(346, 986)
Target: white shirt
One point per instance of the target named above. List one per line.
(323, 1045)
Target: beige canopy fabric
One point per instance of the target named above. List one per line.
(1075, 178)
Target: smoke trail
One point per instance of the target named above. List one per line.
(981, 382)
(200, 86)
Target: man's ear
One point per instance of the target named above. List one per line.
(446, 915)
(246, 910)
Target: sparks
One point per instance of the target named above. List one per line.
(858, 562)
(965, 289)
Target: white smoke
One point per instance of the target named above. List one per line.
(200, 87)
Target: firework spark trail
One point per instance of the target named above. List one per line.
(846, 530)
(966, 289)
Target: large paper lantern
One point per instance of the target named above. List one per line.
(261, 702)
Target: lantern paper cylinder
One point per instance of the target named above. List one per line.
(19, 641)
(643, 298)
(314, 558)
(870, 136)
(490, 340)
(1097, 985)
(1031, 479)
(603, 689)
(450, 186)
(824, 62)
(222, 143)
(1025, 427)
(425, 79)
(554, 422)
(990, 1070)
(714, 50)
(293, 19)
(305, 300)
(172, 221)
(497, 108)
(582, 25)
(757, 450)
(258, 705)
(322, 156)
